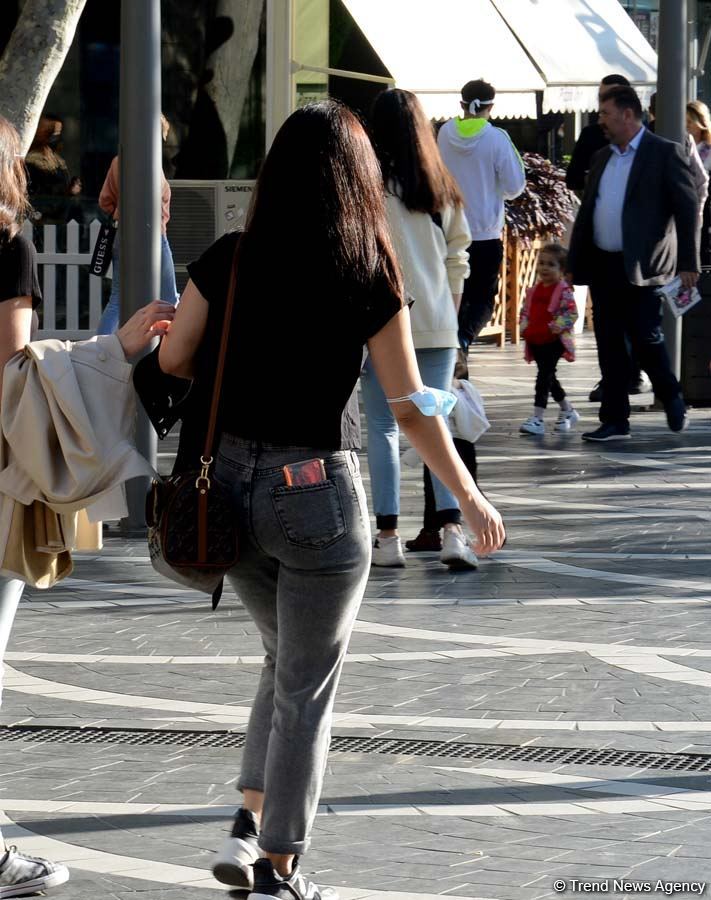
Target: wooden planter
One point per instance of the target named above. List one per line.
(521, 272)
(496, 326)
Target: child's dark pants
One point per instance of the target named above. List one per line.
(546, 357)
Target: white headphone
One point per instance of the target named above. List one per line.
(476, 103)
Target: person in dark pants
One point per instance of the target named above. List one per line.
(548, 319)
(590, 140)
(488, 169)
(636, 228)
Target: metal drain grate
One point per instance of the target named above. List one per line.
(229, 740)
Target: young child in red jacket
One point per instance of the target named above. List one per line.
(547, 319)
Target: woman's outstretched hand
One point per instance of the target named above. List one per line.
(486, 523)
(151, 321)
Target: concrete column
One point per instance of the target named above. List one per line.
(280, 53)
(140, 174)
(672, 81)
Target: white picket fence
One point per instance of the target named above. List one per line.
(63, 267)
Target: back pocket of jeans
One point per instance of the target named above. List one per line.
(310, 516)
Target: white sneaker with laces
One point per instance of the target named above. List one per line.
(387, 551)
(22, 875)
(456, 552)
(533, 425)
(567, 419)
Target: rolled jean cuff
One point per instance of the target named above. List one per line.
(285, 848)
(386, 523)
(448, 517)
(250, 784)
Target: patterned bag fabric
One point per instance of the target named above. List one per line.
(192, 531)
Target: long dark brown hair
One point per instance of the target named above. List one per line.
(14, 204)
(319, 196)
(408, 153)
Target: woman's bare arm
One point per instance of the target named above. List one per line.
(15, 328)
(179, 346)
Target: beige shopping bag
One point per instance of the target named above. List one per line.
(89, 534)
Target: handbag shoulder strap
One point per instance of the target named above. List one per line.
(221, 359)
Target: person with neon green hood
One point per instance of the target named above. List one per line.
(488, 169)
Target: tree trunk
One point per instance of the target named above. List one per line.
(32, 59)
(231, 65)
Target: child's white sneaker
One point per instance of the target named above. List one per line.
(567, 419)
(533, 425)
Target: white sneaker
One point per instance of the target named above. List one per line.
(388, 552)
(22, 875)
(533, 425)
(567, 419)
(234, 860)
(456, 552)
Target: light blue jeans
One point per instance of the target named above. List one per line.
(10, 594)
(436, 368)
(109, 321)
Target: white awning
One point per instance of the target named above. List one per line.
(575, 43)
(433, 48)
(559, 47)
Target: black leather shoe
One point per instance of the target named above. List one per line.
(608, 432)
(596, 393)
(677, 419)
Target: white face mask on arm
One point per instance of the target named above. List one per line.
(429, 401)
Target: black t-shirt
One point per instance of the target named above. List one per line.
(18, 270)
(295, 349)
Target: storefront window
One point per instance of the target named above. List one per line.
(645, 14)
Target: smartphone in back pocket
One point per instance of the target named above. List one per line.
(310, 471)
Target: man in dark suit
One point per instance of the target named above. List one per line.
(636, 228)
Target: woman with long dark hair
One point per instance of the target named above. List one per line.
(430, 235)
(288, 451)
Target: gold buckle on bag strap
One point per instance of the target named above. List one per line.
(202, 482)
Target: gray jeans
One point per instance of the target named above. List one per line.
(304, 562)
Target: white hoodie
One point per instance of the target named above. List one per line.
(488, 170)
(434, 263)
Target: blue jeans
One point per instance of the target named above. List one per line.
(109, 321)
(301, 576)
(436, 368)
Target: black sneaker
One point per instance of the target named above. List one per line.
(268, 885)
(608, 432)
(238, 853)
(596, 393)
(677, 420)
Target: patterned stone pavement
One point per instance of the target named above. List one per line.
(590, 630)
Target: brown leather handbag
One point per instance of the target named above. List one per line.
(192, 530)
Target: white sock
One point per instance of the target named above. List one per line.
(565, 405)
(539, 411)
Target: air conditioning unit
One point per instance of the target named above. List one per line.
(200, 212)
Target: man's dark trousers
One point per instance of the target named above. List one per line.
(480, 288)
(624, 311)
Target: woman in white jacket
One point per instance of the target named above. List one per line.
(430, 235)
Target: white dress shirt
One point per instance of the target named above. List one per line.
(607, 218)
